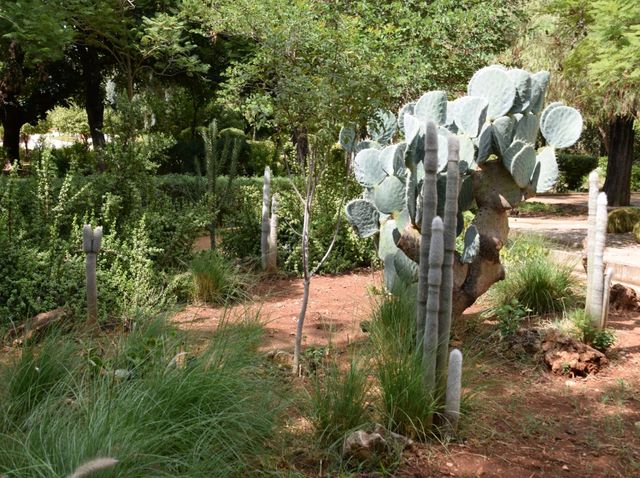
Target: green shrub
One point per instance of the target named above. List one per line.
(339, 401)
(216, 280)
(623, 219)
(261, 154)
(211, 416)
(534, 280)
(404, 407)
(510, 317)
(573, 169)
(599, 339)
(636, 232)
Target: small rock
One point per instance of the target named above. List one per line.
(449, 464)
(567, 356)
(565, 467)
(364, 446)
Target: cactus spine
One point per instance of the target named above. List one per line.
(272, 255)
(266, 199)
(91, 241)
(596, 303)
(429, 206)
(450, 225)
(454, 386)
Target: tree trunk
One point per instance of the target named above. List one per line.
(94, 95)
(618, 182)
(12, 122)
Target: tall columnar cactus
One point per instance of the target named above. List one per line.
(91, 241)
(272, 255)
(434, 281)
(266, 200)
(596, 303)
(591, 230)
(216, 163)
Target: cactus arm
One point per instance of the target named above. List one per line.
(266, 199)
(430, 203)
(453, 392)
(595, 304)
(591, 231)
(450, 225)
(430, 348)
(608, 276)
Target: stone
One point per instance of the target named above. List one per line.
(623, 299)
(567, 356)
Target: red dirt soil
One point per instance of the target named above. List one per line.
(522, 420)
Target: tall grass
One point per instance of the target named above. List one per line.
(210, 417)
(534, 280)
(404, 406)
(339, 401)
(216, 280)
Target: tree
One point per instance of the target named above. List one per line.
(593, 48)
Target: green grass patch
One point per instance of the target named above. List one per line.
(216, 280)
(137, 401)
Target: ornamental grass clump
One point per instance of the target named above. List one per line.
(216, 280)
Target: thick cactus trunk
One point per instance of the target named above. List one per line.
(431, 336)
(429, 207)
(450, 225)
(266, 199)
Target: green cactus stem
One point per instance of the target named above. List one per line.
(429, 207)
(453, 392)
(450, 225)
(434, 282)
(266, 199)
(91, 242)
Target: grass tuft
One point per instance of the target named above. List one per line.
(216, 279)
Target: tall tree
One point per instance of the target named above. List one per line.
(593, 51)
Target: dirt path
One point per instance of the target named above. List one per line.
(337, 305)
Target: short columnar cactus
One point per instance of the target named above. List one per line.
(596, 272)
(91, 242)
(272, 255)
(453, 391)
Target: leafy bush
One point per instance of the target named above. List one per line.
(216, 280)
(510, 317)
(339, 401)
(573, 169)
(623, 219)
(398, 367)
(600, 339)
(534, 280)
(210, 414)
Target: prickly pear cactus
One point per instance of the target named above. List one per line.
(497, 126)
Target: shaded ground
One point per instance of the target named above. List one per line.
(521, 420)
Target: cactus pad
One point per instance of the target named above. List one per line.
(367, 168)
(432, 106)
(347, 139)
(389, 195)
(546, 171)
(562, 126)
(527, 128)
(367, 144)
(392, 159)
(408, 108)
(469, 114)
(382, 127)
(485, 143)
(363, 216)
(539, 83)
(496, 86)
(523, 165)
(503, 129)
(522, 81)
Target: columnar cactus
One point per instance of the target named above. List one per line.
(434, 281)
(596, 303)
(591, 230)
(266, 199)
(453, 391)
(91, 241)
(272, 255)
